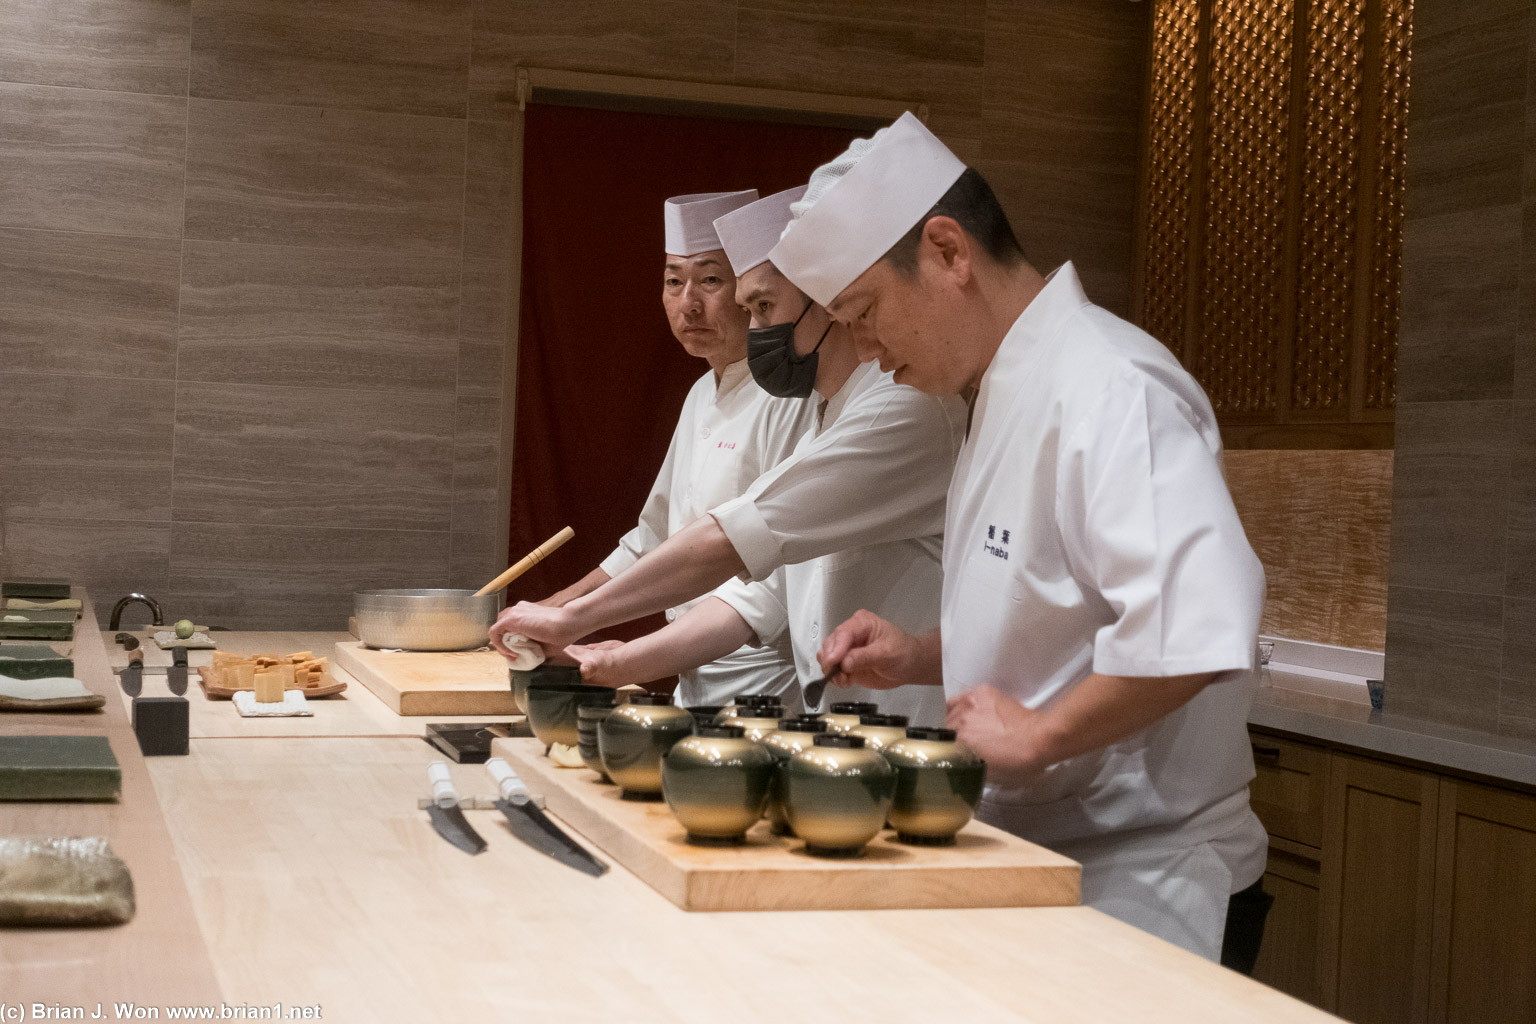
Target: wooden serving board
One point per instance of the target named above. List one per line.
(985, 868)
(427, 683)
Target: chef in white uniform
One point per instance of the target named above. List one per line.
(1101, 602)
(857, 511)
(729, 433)
(899, 577)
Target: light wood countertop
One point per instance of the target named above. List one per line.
(158, 957)
(317, 881)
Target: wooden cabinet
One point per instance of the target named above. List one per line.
(1415, 903)
(1378, 891)
(1484, 959)
(1289, 788)
(1288, 958)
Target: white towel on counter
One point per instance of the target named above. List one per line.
(293, 704)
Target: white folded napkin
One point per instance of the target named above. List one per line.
(293, 704)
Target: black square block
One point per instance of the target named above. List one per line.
(160, 723)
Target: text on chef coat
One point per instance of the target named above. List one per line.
(998, 550)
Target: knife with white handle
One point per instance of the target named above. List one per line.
(445, 813)
(533, 826)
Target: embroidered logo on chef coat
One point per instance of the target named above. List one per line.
(727, 445)
(996, 550)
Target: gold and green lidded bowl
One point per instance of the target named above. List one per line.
(521, 678)
(759, 721)
(552, 710)
(938, 782)
(634, 738)
(844, 715)
(792, 736)
(588, 717)
(717, 782)
(837, 793)
(745, 702)
(880, 731)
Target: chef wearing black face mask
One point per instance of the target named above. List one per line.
(776, 366)
(854, 516)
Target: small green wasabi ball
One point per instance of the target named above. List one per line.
(184, 629)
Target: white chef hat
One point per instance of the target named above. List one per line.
(859, 205)
(690, 219)
(748, 232)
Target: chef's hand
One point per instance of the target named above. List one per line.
(868, 651)
(603, 664)
(1002, 731)
(549, 627)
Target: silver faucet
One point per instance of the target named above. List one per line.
(117, 610)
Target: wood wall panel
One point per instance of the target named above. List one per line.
(1320, 522)
(1275, 277)
(1243, 264)
(338, 193)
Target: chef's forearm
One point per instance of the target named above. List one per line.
(1102, 710)
(710, 630)
(693, 561)
(928, 659)
(588, 583)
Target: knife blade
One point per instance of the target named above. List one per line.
(533, 826)
(132, 678)
(447, 818)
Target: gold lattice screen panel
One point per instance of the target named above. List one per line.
(1271, 211)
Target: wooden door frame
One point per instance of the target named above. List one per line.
(652, 96)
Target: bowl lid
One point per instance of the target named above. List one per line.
(931, 732)
(828, 739)
(802, 725)
(900, 720)
(705, 709)
(651, 699)
(753, 700)
(854, 707)
(720, 732)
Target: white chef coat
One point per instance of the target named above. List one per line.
(728, 434)
(1090, 530)
(856, 519)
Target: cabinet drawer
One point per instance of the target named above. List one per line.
(1290, 788)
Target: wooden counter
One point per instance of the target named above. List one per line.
(157, 958)
(316, 880)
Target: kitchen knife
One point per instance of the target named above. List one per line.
(132, 678)
(533, 827)
(445, 814)
(813, 691)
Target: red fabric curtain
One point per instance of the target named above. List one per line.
(600, 378)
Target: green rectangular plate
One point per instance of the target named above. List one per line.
(37, 630)
(34, 661)
(58, 768)
(31, 586)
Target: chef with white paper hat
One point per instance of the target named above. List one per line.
(854, 517)
(1101, 602)
(728, 434)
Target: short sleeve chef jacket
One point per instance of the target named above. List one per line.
(1090, 530)
(856, 518)
(728, 434)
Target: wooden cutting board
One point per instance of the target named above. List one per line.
(986, 868)
(426, 683)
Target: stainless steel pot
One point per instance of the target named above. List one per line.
(424, 620)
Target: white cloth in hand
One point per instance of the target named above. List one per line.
(526, 654)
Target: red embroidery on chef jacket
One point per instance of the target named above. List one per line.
(728, 445)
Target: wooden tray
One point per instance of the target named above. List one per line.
(428, 683)
(329, 684)
(986, 868)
